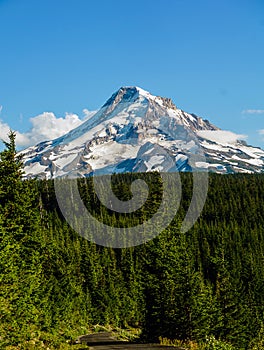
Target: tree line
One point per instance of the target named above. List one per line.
(187, 286)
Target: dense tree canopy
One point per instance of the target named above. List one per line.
(206, 282)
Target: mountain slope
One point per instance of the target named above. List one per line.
(135, 131)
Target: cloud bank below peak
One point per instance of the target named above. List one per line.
(221, 136)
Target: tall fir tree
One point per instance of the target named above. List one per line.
(20, 268)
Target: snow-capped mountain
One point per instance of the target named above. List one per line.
(135, 131)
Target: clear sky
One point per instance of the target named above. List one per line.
(60, 58)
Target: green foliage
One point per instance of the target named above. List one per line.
(213, 344)
(210, 343)
(20, 267)
(258, 342)
(204, 288)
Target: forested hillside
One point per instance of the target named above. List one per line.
(208, 282)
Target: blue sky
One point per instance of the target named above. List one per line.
(61, 57)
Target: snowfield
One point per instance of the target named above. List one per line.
(137, 131)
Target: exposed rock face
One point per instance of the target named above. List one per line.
(136, 131)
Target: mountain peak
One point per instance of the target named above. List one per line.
(136, 131)
(132, 93)
(125, 94)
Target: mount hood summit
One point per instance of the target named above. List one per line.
(135, 131)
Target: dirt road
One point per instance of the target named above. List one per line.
(105, 341)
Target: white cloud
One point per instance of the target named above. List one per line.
(221, 136)
(88, 114)
(253, 111)
(4, 130)
(21, 139)
(45, 126)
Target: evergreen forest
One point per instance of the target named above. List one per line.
(206, 285)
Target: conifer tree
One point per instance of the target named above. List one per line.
(20, 270)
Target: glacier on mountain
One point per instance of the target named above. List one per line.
(135, 131)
